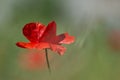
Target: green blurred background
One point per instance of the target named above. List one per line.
(88, 58)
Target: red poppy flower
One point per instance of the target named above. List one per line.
(42, 37)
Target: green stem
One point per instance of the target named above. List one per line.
(47, 60)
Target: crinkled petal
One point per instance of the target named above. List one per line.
(49, 33)
(57, 48)
(33, 31)
(66, 38)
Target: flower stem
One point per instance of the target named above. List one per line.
(47, 60)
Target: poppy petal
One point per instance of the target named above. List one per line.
(42, 45)
(66, 38)
(33, 31)
(57, 48)
(49, 33)
(39, 46)
(25, 45)
(57, 39)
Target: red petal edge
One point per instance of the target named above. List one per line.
(39, 46)
(25, 45)
(67, 39)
